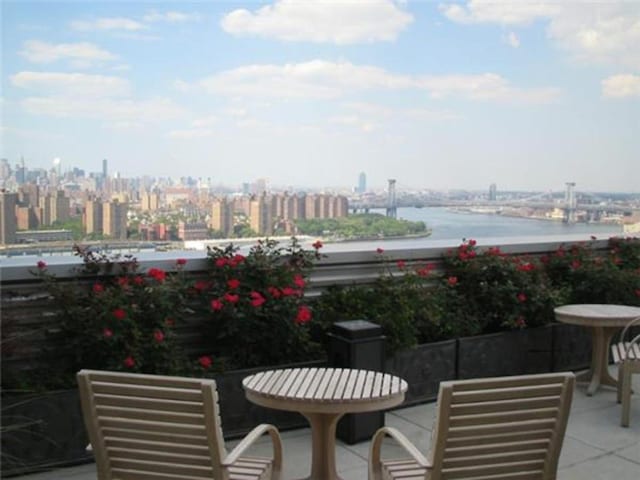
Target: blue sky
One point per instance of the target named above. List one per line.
(527, 95)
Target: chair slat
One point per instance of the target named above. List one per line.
(151, 415)
(514, 418)
(506, 393)
(495, 447)
(504, 405)
(149, 403)
(144, 391)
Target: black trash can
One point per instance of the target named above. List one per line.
(357, 344)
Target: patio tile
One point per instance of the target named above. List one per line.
(607, 467)
(575, 451)
(632, 454)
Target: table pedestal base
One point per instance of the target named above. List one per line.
(599, 371)
(323, 449)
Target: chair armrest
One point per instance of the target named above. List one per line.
(635, 340)
(623, 334)
(251, 438)
(376, 450)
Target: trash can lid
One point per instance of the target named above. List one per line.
(356, 329)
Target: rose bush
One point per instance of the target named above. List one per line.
(116, 317)
(255, 306)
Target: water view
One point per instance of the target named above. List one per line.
(449, 227)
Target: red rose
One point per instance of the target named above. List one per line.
(237, 259)
(304, 315)
(41, 265)
(181, 261)
(107, 333)
(233, 283)
(274, 292)
(205, 362)
(119, 314)
(472, 242)
(379, 250)
(201, 285)
(401, 264)
(216, 305)
(298, 280)
(522, 297)
(138, 280)
(317, 245)
(221, 262)
(575, 265)
(129, 362)
(123, 281)
(257, 299)
(520, 322)
(98, 288)
(231, 298)
(452, 281)
(157, 274)
(288, 291)
(158, 336)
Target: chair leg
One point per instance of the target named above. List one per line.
(619, 389)
(626, 394)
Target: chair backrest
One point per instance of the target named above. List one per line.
(510, 427)
(151, 426)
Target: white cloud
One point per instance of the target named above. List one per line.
(322, 21)
(115, 111)
(592, 32)
(320, 79)
(511, 12)
(356, 121)
(191, 133)
(512, 39)
(170, 17)
(76, 95)
(42, 52)
(621, 86)
(71, 84)
(111, 23)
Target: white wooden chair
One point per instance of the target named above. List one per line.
(144, 427)
(626, 354)
(493, 428)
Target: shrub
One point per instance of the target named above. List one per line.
(255, 306)
(115, 317)
(502, 291)
(586, 276)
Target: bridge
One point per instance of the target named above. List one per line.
(572, 203)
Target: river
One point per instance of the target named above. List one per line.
(450, 228)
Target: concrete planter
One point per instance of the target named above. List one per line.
(571, 347)
(505, 353)
(46, 430)
(42, 431)
(424, 367)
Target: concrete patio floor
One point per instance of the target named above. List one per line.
(596, 447)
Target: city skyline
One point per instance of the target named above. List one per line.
(438, 95)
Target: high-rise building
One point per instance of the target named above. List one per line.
(222, 216)
(260, 218)
(104, 168)
(93, 217)
(114, 219)
(60, 207)
(311, 206)
(192, 231)
(8, 221)
(150, 202)
(493, 195)
(26, 217)
(362, 182)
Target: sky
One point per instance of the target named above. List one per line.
(309, 93)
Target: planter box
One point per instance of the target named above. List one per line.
(424, 367)
(571, 347)
(505, 353)
(42, 431)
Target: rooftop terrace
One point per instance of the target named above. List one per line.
(596, 447)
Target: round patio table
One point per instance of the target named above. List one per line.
(322, 396)
(603, 320)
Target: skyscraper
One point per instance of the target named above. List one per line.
(362, 182)
(114, 219)
(8, 221)
(222, 216)
(493, 192)
(104, 168)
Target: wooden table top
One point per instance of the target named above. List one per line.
(325, 390)
(601, 315)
